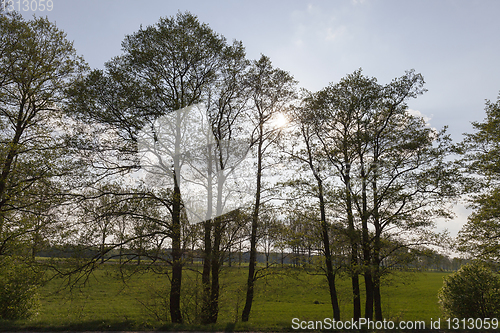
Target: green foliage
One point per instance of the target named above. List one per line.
(37, 63)
(482, 148)
(472, 292)
(18, 289)
(481, 159)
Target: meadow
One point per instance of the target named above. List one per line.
(114, 299)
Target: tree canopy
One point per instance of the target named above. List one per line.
(481, 160)
(36, 158)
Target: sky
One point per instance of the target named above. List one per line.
(454, 44)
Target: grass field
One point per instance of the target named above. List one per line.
(107, 302)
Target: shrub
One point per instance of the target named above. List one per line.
(18, 289)
(471, 292)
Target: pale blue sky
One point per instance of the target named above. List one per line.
(453, 43)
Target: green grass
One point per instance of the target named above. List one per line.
(107, 303)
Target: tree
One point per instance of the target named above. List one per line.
(471, 292)
(208, 142)
(411, 179)
(481, 151)
(37, 64)
(305, 149)
(392, 170)
(337, 113)
(226, 150)
(271, 91)
(166, 70)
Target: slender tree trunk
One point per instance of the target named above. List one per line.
(376, 245)
(330, 275)
(35, 245)
(353, 237)
(103, 242)
(251, 269)
(175, 290)
(240, 253)
(253, 239)
(192, 251)
(216, 256)
(365, 241)
(36, 239)
(216, 261)
(267, 250)
(368, 284)
(356, 295)
(206, 310)
(205, 277)
(376, 264)
(376, 287)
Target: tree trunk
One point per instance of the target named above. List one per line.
(368, 286)
(216, 261)
(205, 277)
(7, 163)
(330, 275)
(376, 274)
(353, 237)
(376, 247)
(206, 309)
(376, 293)
(251, 266)
(253, 239)
(175, 290)
(251, 269)
(103, 242)
(240, 254)
(365, 241)
(356, 296)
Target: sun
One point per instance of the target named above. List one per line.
(280, 120)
